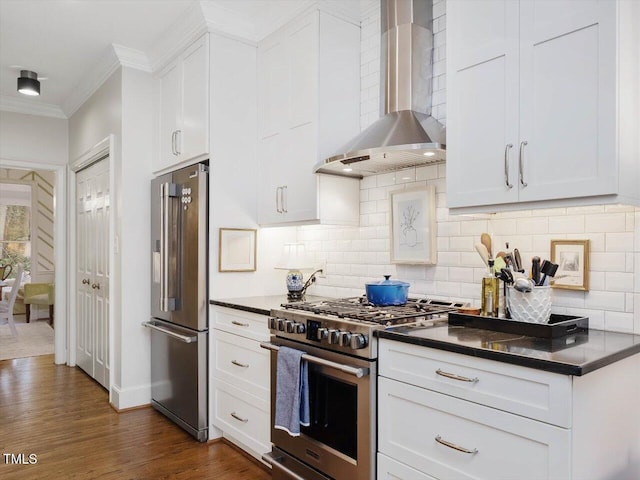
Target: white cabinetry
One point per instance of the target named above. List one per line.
(308, 107)
(184, 107)
(448, 415)
(239, 379)
(542, 102)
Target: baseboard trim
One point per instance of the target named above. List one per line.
(253, 459)
(123, 399)
(123, 410)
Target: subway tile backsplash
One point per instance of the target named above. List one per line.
(356, 255)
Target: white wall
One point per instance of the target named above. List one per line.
(31, 138)
(123, 106)
(133, 230)
(357, 255)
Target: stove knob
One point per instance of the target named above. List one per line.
(272, 323)
(345, 339)
(358, 341)
(300, 328)
(289, 325)
(323, 334)
(334, 336)
(281, 324)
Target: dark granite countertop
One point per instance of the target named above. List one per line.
(576, 354)
(260, 305)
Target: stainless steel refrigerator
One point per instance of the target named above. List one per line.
(179, 323)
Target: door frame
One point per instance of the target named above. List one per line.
(104, 148)
(61, 337)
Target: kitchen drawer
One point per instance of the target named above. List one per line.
(242, 417)
(246, 324)
(508, 446)
(389, 469)
(536, 394)
(240, 362)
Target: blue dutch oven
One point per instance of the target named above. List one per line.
(387, 292)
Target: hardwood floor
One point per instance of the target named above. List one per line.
(62, 416)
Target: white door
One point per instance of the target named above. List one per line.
(482, 96)
(568, 99)
(92, 274)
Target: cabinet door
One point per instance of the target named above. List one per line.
(270, 210)
(567, 98)
(482, 95)
(389, 469)
(272, 87)
(422, 429)
(170, 88)
(300, 199)
(193, 137)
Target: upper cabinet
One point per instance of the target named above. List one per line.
(308, 107)
(542, 103)
(184, 108)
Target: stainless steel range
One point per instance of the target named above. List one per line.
(341, 349)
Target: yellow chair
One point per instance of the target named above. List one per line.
(39, 294)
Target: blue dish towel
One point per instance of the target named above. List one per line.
(292, 391)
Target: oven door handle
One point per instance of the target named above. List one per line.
(358, 372)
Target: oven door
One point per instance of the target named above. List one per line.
(340, 441)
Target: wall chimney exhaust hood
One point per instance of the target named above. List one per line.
(406, 135)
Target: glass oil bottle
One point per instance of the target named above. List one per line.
(490, 293)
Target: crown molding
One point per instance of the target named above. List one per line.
(184, 31)
(90, 83)
(369, 8)
(19, 105)
(116, 56)
(129, 57)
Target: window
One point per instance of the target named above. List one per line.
(15, 224)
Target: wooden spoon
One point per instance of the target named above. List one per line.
(482, 251)
(485, 239)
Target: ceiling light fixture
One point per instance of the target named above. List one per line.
(28, 83)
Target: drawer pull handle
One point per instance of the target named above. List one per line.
(240, 324)
(456, 377)
(454, 446)
(237, 417)
(243, 365)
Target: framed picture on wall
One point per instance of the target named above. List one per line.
(572, 257)
(237, 250)
(413, 226)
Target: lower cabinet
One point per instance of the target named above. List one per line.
(444, 415)
(453, 438)
(239, 391)
(390, 469)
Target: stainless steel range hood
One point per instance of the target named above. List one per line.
(406, 135)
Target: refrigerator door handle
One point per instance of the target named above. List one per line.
(167, 304)
(177, 336)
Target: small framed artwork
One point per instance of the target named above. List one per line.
(237, 250)
(413, 226)
(572, 257)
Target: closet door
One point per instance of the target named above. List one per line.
(92, 270)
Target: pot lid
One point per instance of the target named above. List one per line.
(387, 281)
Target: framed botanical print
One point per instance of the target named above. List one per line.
(413, 226)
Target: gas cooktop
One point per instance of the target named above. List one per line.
(359, 309)
(347, 325)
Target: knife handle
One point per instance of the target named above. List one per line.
(535, 270)
(518, 259)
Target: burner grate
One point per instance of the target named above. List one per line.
(358, 309)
